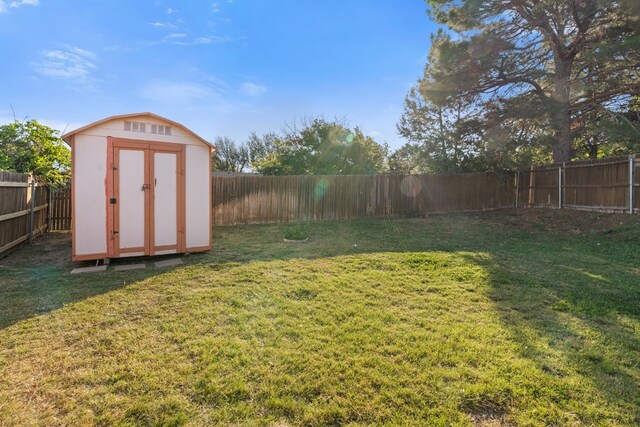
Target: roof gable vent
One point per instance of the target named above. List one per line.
(161, 130)
(135, 127)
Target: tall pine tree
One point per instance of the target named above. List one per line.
(536, 70)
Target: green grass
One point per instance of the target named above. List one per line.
(298, 231)
(494, 319)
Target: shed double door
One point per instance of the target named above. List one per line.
(148, 199)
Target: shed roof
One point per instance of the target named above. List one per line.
(68, 135)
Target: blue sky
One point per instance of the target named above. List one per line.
(225, 67)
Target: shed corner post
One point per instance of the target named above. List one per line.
(632, 166)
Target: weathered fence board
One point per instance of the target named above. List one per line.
(599, 185)
(16, 211)
(636, 185)
(60, 210)
(538, 187)
(602, 185)
(271, 199)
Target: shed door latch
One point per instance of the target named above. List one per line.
(113, 201)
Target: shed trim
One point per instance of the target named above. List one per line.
(66, 137)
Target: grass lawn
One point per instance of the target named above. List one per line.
(504, 318)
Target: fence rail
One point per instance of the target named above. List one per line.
(23, 209)
(609, 185)
(273, 199)
(60, 218)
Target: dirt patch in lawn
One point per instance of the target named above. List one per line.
(562, 221)
(52, 249)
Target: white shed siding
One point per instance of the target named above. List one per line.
(90, 168)
(197, 196)
(157, 227)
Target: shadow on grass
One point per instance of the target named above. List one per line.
(571, 303)
(573, 307)
(36, 279)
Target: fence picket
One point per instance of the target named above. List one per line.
(604, 185)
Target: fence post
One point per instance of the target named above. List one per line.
(31, 207)
(632, 166)
(48, 208)
(560, 185)
(517, 187)
(532, 180)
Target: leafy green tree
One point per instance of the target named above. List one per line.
(406, 160)
(260, 147)
(538, 68)
(31, 147)
(320, 147)
(229, 156)
(602, 133)
(448, 135)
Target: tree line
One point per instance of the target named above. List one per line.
(308, 147)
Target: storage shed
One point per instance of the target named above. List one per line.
(141, 185)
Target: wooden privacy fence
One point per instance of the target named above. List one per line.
(23, 209)
(60, 209)
(607, 185)
(271, 199)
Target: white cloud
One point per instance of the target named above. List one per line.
(203, 40)
(215, 8)
(4, 6)
(252, 89)
(171, 11)
(69, 62)
(158, 24)
(206, 40)
(374, 134)
(177, 35)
